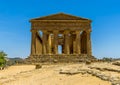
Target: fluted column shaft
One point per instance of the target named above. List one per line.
(78, 45)
(67, 47)
(44, 44)
(49, 44)
(55, 42)
(89, 51)
(33, 42)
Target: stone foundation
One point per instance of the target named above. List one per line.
(59, 58)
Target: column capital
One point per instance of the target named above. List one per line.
(88, 31)
(55, 31)
(44, 31)
(66, 32)
(34, 31)
(77, 32)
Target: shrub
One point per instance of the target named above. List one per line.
(107, 59)
(2, 58)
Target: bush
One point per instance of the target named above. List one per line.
(2, 58)
(107, 59)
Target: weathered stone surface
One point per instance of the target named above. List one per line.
(116, 83)
(59, 58)
(69, 72)
(70, 32)
(88, 62)
(105, 69)
(38, 66)
(116, 63)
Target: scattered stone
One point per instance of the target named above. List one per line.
(55, 61)
(38, 66)
(69, 72)
(116, 63)
(105, 69)
(104, 77)
(114, 79)
(2, 68)
(88, 62)
(101, 69)
(111, 69)
(116, 83)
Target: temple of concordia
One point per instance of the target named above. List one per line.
(61, 38)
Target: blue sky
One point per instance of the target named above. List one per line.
(15, 33)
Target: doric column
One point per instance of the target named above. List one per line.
(89, 51)
(74, 42)
(33, 42)
(44, 42)
(55, 42)
(49, 43)
(74, 47)
(78, 47)
(67, 47)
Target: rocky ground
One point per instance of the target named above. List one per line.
(62, 74)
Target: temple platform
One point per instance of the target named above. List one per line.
(60, 58)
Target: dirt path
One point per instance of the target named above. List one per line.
(47, 75)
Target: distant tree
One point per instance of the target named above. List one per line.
(2, 58)
(107, 59)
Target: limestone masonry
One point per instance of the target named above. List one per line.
(60, 37)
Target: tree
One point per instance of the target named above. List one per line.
(107, 59)
(2, 58)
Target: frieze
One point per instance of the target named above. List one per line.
(59, 24)
(61, 28)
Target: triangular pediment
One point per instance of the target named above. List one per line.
(60, 16)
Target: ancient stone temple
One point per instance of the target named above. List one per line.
(60, 37)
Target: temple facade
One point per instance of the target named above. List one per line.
(60, 34)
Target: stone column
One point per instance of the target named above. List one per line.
(78, 46)
(49, 44)
(67, 47)
(74, 47)
(55, 42)
(74, 42)
(33, 42)
(89, 51)
(44, 42)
